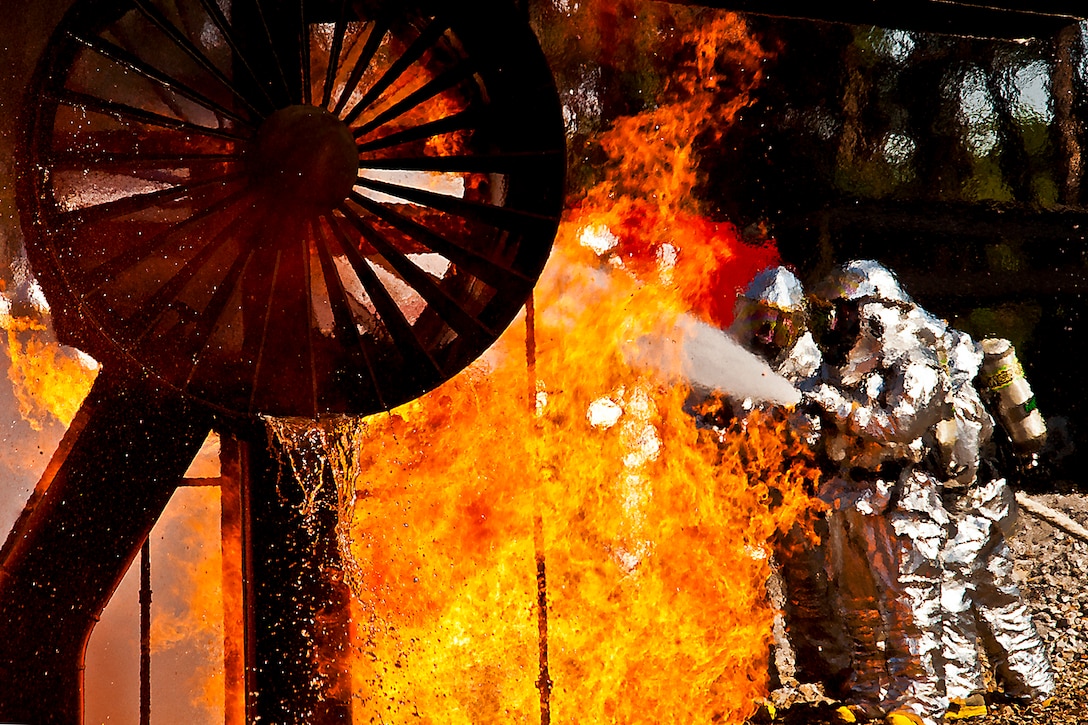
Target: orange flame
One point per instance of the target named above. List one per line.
(648, 203)
(648, 536)
(50, 380)
(654, 534)
(187, 620)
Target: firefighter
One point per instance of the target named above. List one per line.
(979, 595)
(881, 388)
(770, 319)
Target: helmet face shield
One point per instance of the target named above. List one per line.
(860, 279)
(765, 329)
(840, 332)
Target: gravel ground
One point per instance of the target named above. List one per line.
(1053, 570)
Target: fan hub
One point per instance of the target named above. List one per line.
(305, 155)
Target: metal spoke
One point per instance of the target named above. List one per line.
(286, 315)
(126, 59)
(502, 163)
(304, 52)
(461, 121)
(141, 323)
(217, 305)
(307, 286)
(346, 329)
(495, 275)
(138, 202)
(500, 217)
(124, 112)
(259, 343)
(334, 54)
(447, 308)
(272, 47)
(412, 53)
(429, 90)
(113, 268)
(404, 337)
(183, 42)
(378, 29)
(97, 159)
(212, 8)
(257, 286)
(269, 306)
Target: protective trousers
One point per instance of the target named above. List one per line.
(888, 575)
(816, 633)
(982, 601)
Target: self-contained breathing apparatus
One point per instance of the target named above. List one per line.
(1009, 397)
(1020, 433)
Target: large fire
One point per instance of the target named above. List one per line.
(558, 467)
(549, 536)
(654, 536)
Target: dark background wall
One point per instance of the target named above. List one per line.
(953, 159)
(862, 142)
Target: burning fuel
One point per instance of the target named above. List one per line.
(549, 537)
(654, 538)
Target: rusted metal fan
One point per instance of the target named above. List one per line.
(302, 207)
(242, 207)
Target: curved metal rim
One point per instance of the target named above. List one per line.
(493, 238)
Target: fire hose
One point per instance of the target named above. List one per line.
(1055, 518)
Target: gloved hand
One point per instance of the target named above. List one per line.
(830, 400)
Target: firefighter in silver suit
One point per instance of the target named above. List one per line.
(981, 600)
(770, 319)
(881, 389)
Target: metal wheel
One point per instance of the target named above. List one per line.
(296, 207)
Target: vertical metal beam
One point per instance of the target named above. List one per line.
(544, 678)
(249, 586)
(232, 530)
(299, 625)
(1064, 91)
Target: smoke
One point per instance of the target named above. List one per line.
(709, 360)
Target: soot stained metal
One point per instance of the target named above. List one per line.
(246, 210)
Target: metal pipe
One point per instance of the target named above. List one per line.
(234, 580)
(145, 633)
(544, 680)
(1053, 517)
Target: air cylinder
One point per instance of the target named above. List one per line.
(1006, 390)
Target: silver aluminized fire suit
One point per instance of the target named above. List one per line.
(770, 319)
(880, 399)
(979, 596)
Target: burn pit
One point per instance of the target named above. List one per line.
(543, 402)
